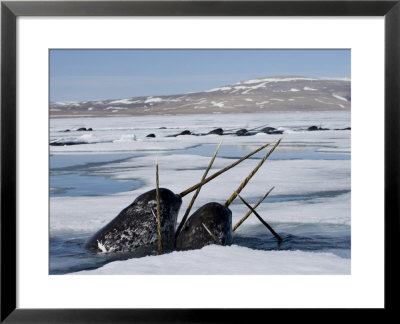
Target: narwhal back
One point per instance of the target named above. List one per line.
(213, 217)
(136, 226)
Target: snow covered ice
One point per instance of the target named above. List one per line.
(91, 183)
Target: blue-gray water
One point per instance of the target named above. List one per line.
(76, 175)
(313, 152)
(73, 175)
(68, 255)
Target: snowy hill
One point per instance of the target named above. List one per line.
(284, 93)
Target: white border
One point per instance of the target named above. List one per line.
(363, 288)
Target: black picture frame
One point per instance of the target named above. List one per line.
(10, 10)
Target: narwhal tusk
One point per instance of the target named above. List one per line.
(216, 174)
(261, 220)
(211, 234)
(158, 211)
(197, 192)
(252, 173)
(249, 212)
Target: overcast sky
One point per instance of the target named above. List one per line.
(77, 75)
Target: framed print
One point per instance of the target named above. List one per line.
(162, 160)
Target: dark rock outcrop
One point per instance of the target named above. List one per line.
(151, 135)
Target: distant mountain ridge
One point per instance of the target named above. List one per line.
(282, 93)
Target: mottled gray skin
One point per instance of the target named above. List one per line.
(242, 132)
(268, 129)
(217, 131)
(218, 220)
(135, 228)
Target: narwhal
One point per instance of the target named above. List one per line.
(212, 223)
(147, 220)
